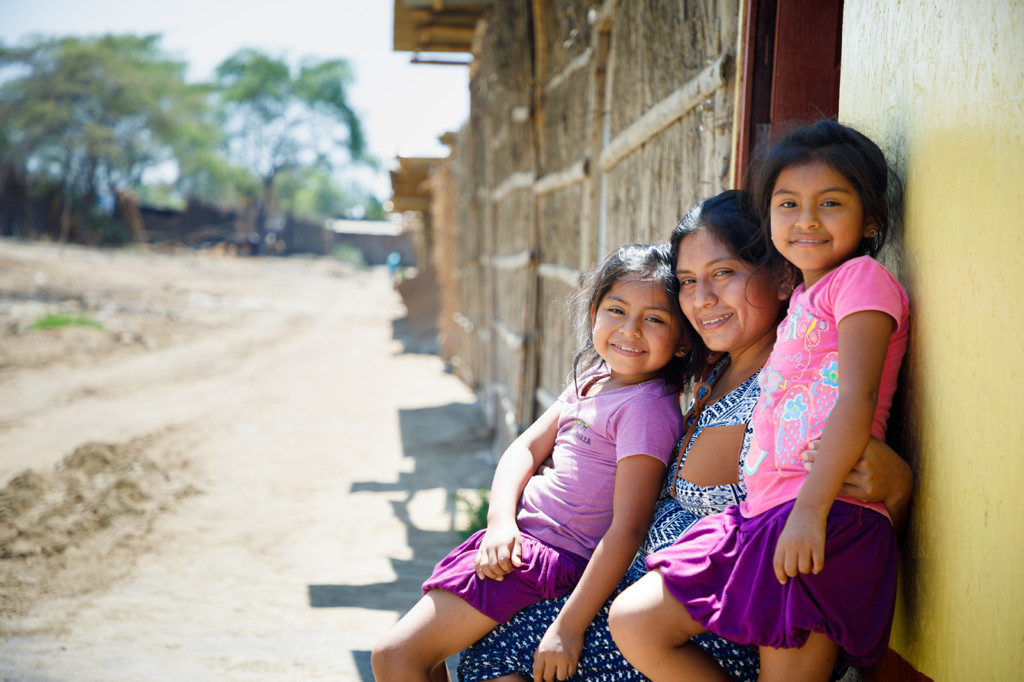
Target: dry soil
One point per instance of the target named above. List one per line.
(243, 475)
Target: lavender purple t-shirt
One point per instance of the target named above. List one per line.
(570, 505)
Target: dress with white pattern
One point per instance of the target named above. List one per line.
(509, 648)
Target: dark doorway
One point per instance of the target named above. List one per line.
(790, 69)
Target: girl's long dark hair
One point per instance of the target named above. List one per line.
(848, 152)
(642, 262)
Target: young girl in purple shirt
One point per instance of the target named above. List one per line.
(579, 523)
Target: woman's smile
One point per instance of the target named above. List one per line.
(714, 322)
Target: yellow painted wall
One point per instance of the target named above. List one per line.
(940, 86)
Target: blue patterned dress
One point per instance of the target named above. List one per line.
(510, 647)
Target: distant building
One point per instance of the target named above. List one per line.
(375, 239)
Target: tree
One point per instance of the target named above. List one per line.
(310, 191)
(279, 119)
(93, 114)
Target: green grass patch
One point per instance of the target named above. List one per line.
(58, 320)
(476, 511)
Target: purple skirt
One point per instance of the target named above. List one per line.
(721, 571)
(546, 573)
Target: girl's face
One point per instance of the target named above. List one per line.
(635, 330)
(732, 305)
(817, 219)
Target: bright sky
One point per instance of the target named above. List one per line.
(404, 107)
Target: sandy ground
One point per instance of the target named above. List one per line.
(244, 475)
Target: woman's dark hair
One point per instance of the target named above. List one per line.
(852, 155)
(639, 262)
(730, 218)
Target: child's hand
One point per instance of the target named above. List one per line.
(500, 552)
(557, 655)
(801, 546)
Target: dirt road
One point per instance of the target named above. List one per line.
(244, 475)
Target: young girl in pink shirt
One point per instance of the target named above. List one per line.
(610, 435)
(757, 573)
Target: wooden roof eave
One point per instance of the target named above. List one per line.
(435, 25)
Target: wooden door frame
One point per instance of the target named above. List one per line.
(789, 70)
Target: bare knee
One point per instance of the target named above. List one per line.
(417, 642)
(397, 658)
(646, 620)
(626, 622)
(387, 660)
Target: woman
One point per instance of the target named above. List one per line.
(734, 305)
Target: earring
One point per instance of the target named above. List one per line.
(872, 233)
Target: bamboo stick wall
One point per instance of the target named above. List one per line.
(591, 125)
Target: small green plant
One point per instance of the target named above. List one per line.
(347, 253)
(476, 510)
(58, 320)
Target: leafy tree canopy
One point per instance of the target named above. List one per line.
(279, 118)
(94, 113)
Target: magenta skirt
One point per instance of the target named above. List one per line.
(546, 573)
(721, 571)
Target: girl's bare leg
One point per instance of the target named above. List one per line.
(813, 662)
(440, 673)
(652, 630)
(438, 626)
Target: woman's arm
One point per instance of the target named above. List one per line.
(501, 547)
(638, 479)
(880, 475)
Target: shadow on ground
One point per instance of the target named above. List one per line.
(451, 447)
(414, 340)
(418, 329)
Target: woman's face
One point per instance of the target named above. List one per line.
(732, 305)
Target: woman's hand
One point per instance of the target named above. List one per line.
(880, 475)
(500, 552)
(557, 655)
